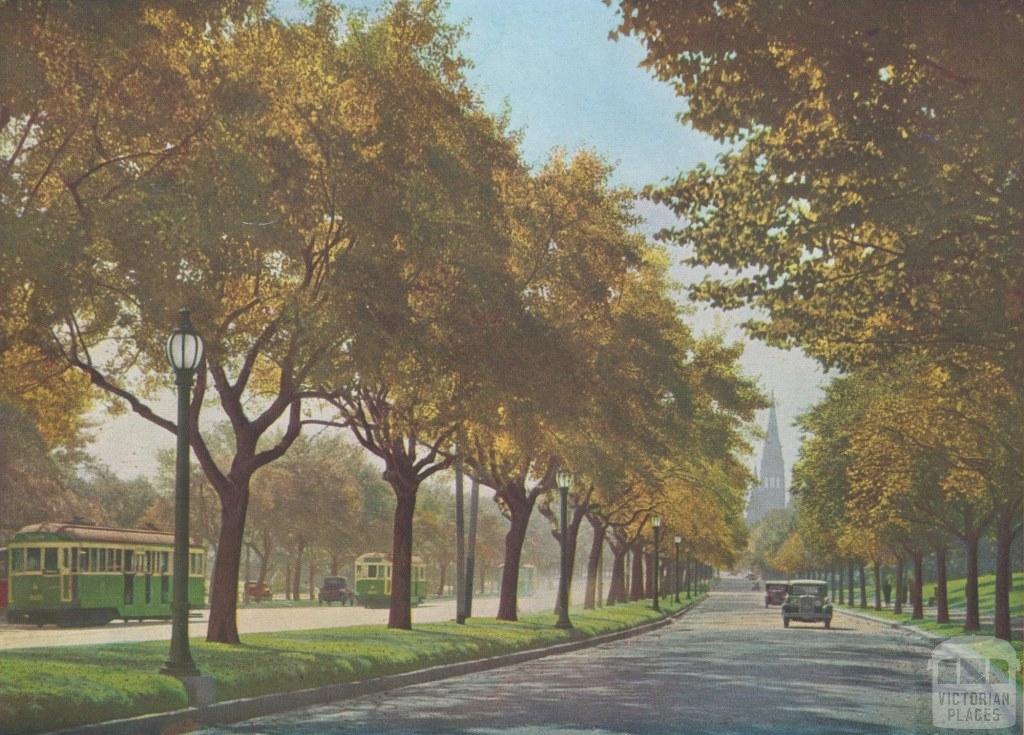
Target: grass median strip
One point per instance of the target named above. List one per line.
(45, 689)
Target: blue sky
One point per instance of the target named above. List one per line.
(566, 84)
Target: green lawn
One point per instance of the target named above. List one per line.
(51, 688)
(957, 596)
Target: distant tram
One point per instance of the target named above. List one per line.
(76, 574)
(373, 580)
(527, 579)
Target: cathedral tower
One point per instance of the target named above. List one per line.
(770, 492)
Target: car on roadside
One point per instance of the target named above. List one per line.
(775, 592)
(807, 602)
(336, 589)
(258, 591)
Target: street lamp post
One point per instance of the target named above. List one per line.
(679, 541)
(656, 523)
(184, 353)
(564, 480)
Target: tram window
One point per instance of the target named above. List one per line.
(371, 570)
(73, 553)
(83, 561)
(17, 560)
(33, 560)
(94, 562)
(164, 558)
(50, 559)
(129, 560)
(117, 560)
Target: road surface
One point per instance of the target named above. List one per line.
(727, 667)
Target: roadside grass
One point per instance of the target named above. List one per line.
(44, 689)
(957, 594)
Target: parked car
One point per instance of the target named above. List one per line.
(775, 592)
(807, 602)
(335, 589)
(258, 591)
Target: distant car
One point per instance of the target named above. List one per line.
(775, 592)
(807, 602)
(258, 591)
(335, 589)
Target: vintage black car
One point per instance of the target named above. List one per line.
(807, 602)
(775, 592)
(336, 589)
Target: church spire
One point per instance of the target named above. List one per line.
(770, 491)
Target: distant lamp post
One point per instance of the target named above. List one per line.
(656, 524)
(563, 478)
(679, 542)
(184, 353)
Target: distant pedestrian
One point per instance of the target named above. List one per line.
(887, 590)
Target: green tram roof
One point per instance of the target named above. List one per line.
(381, 557)
(95, 534)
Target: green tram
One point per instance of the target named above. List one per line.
(76, 574)
(373, 580)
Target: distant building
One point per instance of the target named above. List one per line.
(770, 492)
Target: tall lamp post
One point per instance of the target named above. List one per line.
(656, 524)
(184, 352)
(679, 542)
(564, 480)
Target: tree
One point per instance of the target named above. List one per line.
(870, 200)
(306, 161)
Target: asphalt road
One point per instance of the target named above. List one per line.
(727, 667)
(252, 620)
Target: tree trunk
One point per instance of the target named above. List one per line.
(223, 625)
(334, 565)
(842, 586)
(617, 584)
(287, 579)
(972, 621)
(849, 579)
(441, 577)
(1004, 574)
(917, 591)
(297, 574)
(508, 605)
(878, 584)
(649, 577)
(400, 614)
(312, 574)
(636, 588)
(941, 587)
(863, 586)
(689, 577)
(897, 605)
(593, 562)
